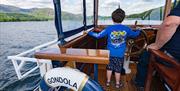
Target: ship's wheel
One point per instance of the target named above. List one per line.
(135, 46)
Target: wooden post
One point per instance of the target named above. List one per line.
(167, 8)
(96, 12)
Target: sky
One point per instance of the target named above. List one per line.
(105, 6)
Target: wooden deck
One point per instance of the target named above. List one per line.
(126, 79)
(157, 85)
(90, 56)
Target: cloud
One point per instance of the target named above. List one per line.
(106, 7)
(148, 0)
(130, 6)
(142, 6)
(29, 3)
(73, 6)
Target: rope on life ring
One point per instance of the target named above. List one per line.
(70, 78)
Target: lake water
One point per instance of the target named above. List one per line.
(17, 37)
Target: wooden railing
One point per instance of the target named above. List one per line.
(171, 74)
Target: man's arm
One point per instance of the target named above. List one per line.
(166, 31)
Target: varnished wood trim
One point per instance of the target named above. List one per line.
(82, 59)
(71, 43)
(164, 57)
(167, 8)
(169, 74)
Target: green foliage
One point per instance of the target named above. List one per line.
(19, 17)
(142, 16)
(156, 13)
(104, 17)
(12, 13)
(43, 13)
(70, 16)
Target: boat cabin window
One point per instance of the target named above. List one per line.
(72, 14)
(89, 11)
(146, 12)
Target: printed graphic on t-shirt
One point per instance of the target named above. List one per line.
(117, 37)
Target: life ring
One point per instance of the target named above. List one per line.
(70, 78)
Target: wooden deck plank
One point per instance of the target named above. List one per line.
(126, 79)
(128, 86)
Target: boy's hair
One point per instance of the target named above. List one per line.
(118, 15)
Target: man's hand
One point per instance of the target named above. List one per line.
(153, 46)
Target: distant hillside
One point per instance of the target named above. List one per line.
(70, 16)
(12, 13)
(42, 12)
(12, 9)
(153, 14)
(19, 17)
(15, 14)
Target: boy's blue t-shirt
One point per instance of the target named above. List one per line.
(116, 41)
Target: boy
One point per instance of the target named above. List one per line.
(116, 43)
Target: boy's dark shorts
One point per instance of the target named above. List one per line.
(115, 64)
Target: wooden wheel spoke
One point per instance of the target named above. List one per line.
(136, 46)
(140, 39)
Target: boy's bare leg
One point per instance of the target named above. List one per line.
(117, 76)
(109, 72)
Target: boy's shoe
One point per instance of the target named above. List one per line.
(119, 85)
(107, 84)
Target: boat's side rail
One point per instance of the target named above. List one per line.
(19, 60)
